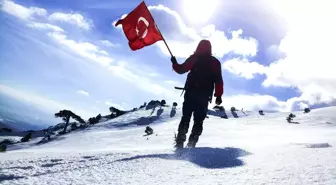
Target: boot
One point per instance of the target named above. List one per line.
(179, 141)
(178, 145)
(191, 144)
(192, 141)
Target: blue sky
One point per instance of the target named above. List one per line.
(68, 55)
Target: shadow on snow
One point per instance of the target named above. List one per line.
(9, 177)
(212, 158)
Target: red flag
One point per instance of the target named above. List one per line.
(139, 28)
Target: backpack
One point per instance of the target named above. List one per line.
(201, 77)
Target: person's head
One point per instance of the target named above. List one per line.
(204, 47)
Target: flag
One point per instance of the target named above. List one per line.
(139, 28)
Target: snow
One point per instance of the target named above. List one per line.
(251, 149)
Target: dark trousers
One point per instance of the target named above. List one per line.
(196, 104)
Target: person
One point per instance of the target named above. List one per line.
(204, 76)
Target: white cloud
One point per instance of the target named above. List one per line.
(273, 53)
(221, 44)
(192, 33)
(141, 76)
(237, 44)
(184, 39)
(83, 93)
(109, 44)
(309, 48)
(84, 49)
(121, 106)
(153, 74)
(306, 52)
(110, 103)
(302, 105)
(45, 26)
(119, 26)
(141, 80)
(20, 11)
(72, 18)
(124, 104)
(260, 102)
(244, 68)
(172, 82)
(41, 102)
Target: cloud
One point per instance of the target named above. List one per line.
(140, 79)
(185, 30)
(122, 106)
(72, 18)
(42, 102)
(172, 82)
(109, 44)
(243, 67)
(110, 103)
(302, 105)
(20, 11)
(134, 74)
(45, 26)
(183, 40)
(32, 13)
(85, 49)
(143, 78)
(304, 57)
(237, 44)
(255, 102)
(273, 53)
(119, 26)
(309, 48)
(83, 93)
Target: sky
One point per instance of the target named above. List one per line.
(276, 55)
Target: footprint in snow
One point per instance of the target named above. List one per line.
(318, 145)
(314, 145)
(48, 165)
(56, 160)
(21, 167)
(87, 157)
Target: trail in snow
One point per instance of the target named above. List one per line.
(251, 149)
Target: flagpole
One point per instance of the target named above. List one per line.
(164, 40)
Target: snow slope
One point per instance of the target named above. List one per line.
(251, 149)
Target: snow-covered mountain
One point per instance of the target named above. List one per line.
(21, 116)
(251, 149)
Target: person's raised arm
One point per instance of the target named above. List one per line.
(185, 67)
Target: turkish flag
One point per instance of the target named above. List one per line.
(140, 28)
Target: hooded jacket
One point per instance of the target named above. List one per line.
(203, 58)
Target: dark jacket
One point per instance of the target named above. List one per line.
(205, 71)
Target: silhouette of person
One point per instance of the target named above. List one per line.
(205, 75)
